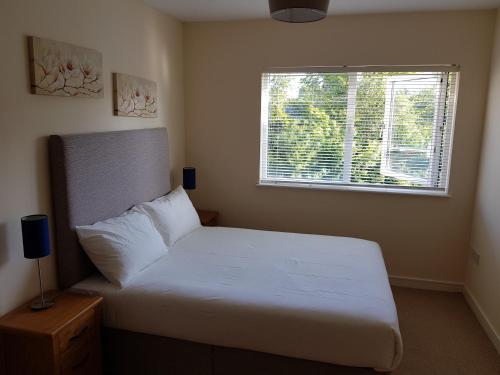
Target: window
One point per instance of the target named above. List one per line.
(370, 128)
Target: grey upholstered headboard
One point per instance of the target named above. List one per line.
(97, 176)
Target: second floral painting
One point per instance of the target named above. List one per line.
(134, 96)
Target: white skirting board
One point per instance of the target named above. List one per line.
(483, 319)
(427, 284)
(448, 286)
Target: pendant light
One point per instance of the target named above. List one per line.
(298, 11)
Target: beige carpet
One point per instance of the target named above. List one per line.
(442, 336)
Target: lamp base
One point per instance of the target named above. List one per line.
(39, 305)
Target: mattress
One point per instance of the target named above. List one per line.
(313, 297)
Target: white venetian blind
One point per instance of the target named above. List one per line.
(388, 127)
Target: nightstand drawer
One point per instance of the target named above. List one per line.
(82, 361)
(77, 331)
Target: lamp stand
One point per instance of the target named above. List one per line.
(42, 304)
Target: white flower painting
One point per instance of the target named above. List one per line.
(63, 69)
(134, 96)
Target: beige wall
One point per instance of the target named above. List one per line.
(223, 65)
(421, 236)
(483, 280)
(134, 39)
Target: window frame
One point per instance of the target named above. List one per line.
(437, 131)
(346, 185)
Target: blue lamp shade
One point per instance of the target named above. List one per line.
(189, 178)
(36, 240)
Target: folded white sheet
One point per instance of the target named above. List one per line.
(315, 297)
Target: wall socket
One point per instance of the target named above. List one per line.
(475, 257)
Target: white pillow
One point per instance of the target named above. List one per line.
(122, 246)
(173, 215)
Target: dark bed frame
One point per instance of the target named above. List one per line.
(100, 175)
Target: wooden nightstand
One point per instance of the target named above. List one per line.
(64, 339)
(208, 218)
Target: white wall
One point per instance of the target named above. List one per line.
(483, 280)
(134, 39)
(421, 236)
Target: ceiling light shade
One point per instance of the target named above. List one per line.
(298, 11)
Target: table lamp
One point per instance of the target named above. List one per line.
(36, 244)
(189, 178)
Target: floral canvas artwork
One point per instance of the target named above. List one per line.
(62, 69)
(134, 96)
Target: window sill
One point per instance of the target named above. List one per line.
(378, 190)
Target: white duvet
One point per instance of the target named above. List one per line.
(314, 297)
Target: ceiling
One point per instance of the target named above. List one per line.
(219, 10)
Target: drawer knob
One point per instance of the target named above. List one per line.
(82, 362)
(79, 334)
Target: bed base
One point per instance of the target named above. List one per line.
(126, 352)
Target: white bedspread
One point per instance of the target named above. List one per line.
(314, 297)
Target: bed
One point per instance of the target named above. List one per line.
(224, 300)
